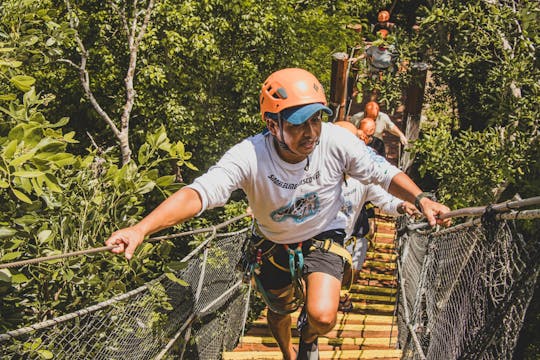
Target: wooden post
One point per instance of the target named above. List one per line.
(413, 109)
(338, 86)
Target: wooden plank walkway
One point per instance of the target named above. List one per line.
(368, 332)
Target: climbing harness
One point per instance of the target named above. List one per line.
(263, 249)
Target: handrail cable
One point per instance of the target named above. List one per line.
(480, 210)
(115, 299)
(110, 247)
(504, 206)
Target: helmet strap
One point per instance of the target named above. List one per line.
(281, 142)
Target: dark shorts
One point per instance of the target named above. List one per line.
(316, 260)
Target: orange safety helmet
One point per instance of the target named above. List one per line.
(371, 110)
(383, 16)
(348, 125)
(289, 88)
(383, 32)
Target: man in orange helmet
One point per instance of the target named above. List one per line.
(383, 22)
(292, 175)
(382, 122)
(382, 54)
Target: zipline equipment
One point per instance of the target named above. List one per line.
(254, 253)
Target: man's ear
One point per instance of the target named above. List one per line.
(272, 126)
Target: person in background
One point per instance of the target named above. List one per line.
(366, 131)
(355, 197)
(382, 122)
(383, 22)
(382, 54)
(292, 174)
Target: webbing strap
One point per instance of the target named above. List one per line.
(270, 299)
(296, 271)
(329, 245)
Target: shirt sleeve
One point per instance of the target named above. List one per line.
(362, 163)
(383, 200)
(230, 173)
(388, 124)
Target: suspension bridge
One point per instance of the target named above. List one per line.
(459, 292)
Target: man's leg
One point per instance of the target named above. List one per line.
(280, 325)
(322, 300)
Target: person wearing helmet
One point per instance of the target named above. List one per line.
(291, 174)
(382, 54)
(366, 131)
(382, 122)
(383, 22)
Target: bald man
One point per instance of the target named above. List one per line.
(382, 121)
(366, 132)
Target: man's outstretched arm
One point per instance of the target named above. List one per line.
(181, 206)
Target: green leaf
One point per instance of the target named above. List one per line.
(5, 275)
(19, 278)
(21, 159)
(45, 354)
(6, 232)
(28, 174)
(9, 150)
(173, 278)
(23, 82)
(165, 180)
(44, 235)
(10, 63)
(146, 188)
(52, 183)
(11, 256)
(191, 166)
(8, 97)
(63, 121)
(21, 196)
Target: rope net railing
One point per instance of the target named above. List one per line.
(195, 314)
(464, 290)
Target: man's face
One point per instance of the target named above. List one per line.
(301, 139)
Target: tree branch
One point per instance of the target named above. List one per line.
(83, 73)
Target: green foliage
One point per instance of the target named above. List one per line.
(483, 98)
(459, 163)
(53, 201)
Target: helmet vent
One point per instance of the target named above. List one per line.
(281, 93)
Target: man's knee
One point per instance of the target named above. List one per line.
(322, 319)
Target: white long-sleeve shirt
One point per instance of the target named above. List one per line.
(293, 202)
(355, 194)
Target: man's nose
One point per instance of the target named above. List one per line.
(310, 129)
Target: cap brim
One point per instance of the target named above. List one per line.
(299, 114)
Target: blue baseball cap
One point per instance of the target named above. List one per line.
(299, 114)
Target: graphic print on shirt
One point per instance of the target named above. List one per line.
(347, 207)
(301, 209)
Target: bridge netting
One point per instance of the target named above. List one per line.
(464, 291)
(195, 314)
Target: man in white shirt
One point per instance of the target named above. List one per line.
(292, 176)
